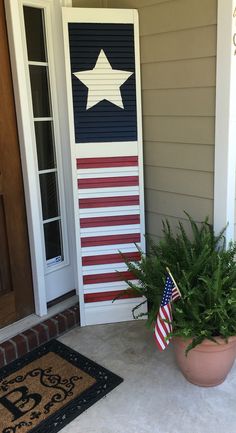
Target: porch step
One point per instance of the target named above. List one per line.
(33, 337)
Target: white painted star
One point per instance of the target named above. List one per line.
(103, 82)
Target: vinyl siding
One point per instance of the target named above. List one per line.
(87, 3)
(178, 61)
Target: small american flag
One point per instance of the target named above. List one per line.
(163, 325)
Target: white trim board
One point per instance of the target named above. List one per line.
(118, 312)
(225, 129)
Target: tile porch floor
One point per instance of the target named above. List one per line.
(154, 397)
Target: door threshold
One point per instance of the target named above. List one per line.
(22, 325)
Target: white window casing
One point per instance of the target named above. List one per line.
(225, 123)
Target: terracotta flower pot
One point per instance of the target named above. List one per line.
(207, 364)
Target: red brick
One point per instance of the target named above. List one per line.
(10, 352)
(56, 325)
(42, 334)
(69, 318)
(32, 338)
(61, 322)
(76, 314)
(72, 312)
(52, 329)
(20, 345)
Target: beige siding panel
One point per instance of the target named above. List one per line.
(187, 182)
(177, 15)
(154, 224)
(153, 237)
(179, 155)
(87, 3)
(126, 4)
(170, 204)
(197, 130)
(179, 74)
(186, 44)
(133, 4)
(179, 102)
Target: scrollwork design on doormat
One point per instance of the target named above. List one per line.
(62, 394)
(17, 427)
(46, 377)
(64, 388)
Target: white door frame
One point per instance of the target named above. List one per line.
(25, 131)
(225, 129)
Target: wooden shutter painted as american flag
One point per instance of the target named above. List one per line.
(104, 105)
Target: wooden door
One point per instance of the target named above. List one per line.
(16, 294)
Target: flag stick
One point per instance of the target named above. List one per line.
(170, 274)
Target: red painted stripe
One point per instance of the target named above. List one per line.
(107, 296)
(109, 221)
(110, 258)
(114, 161)
(108, 277)
(110, 240)
(127, 200)
(108, 182)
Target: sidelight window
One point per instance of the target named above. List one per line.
(43, 119)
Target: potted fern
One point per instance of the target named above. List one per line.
(204, 318)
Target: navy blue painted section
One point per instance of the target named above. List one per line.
(104, 121)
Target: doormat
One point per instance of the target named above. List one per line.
(49, 387)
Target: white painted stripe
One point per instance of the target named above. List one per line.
(109, 230)
(88, 173)
(101, 250)
(115, 287)
(120, 211)
(103, 286)
(102, 210)
(104, 268)
(107, 249)
(96, 150)
(121, 191)
(104, 232)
